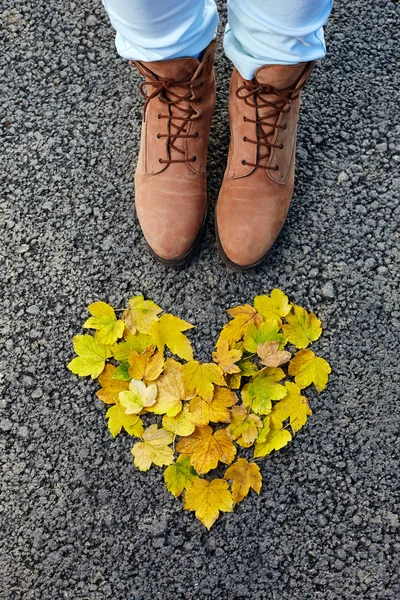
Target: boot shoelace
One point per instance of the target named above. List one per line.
(164, 90)
(282, 104)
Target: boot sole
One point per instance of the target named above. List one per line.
(232, 266)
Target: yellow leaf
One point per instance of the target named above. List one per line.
(226, 358)
(258, 393)
(207, 499)
(141, 314)
(244, 427)
(216, 410)
(271, 356)
(273, 307)
(200, 378)
(103, 318)
(91, 357)
(179, 476)
(153, 449)
(137, 342)
(272, 437)
(242, 317)
(308, 368)
(294, 407)
(181, 424)
(167, 331)
(302, 327)
(137, 397)
(110, 387)
(266, 332)
(147, 365)
(206, 448)
(245, 475)
(171, 390)
(118, 419)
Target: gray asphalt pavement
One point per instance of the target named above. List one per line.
(78, 522)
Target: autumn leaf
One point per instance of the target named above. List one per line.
(226, 358)
(294, 407)
(154, 449)
(302, 327)
(147, 366)
(137, 342)
(141, 314)
(138, 397)
(273, 307)
(308, 368)
(207, 499)
(244, 427)
(121, 373)
(103, 318)
(271, 356)
(91, 357)
(118, 420)
(181, 424)
(200, 378)
(206, 448)
(244, 475)
(242, 317)
(247, 369)
(110, 387)
(267, 332)
(272, 437)
(264, 388)
(216, 410)
(179, 476)
(167, 331)
(171, 391)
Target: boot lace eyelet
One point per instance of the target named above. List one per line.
(160, 160)
(159, 116)
(276, 168)
(281, 146)
(244, 162)
(194, 158)
(245, 139)
(158, 136)
(196, 134)
(244, 119)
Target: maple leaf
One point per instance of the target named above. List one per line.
(153, 449)
(226, 358)
(302, 327)
(103, 318)
(147, 365)
(215, 410)
(179, 476)
(171, 390)
(121, 373)
(138, 397)
(141, 314)
(167, 331)
(242, 317)
(273, 307)
(207, 499)
(206, 448)
(110, 387)
(271, 356)
(200, 378)
(181, 424)
(294, 407)
(308, 368)
(247, 369)
(137, 342)
(272, 437)
(266, 332)
(244, 475)
(244, 427)
(118, 419)
(91, 357)
(258, 394)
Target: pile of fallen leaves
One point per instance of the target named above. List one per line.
(204, 422)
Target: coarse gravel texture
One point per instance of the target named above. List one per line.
(78, 522)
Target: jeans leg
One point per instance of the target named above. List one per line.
(285, 32)
(151, 30)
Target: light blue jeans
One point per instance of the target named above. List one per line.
(258, 32)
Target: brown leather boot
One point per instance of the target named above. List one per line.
(258, 183)
(170, 180)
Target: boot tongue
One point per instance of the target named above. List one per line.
(177, 69)
(280, 76)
